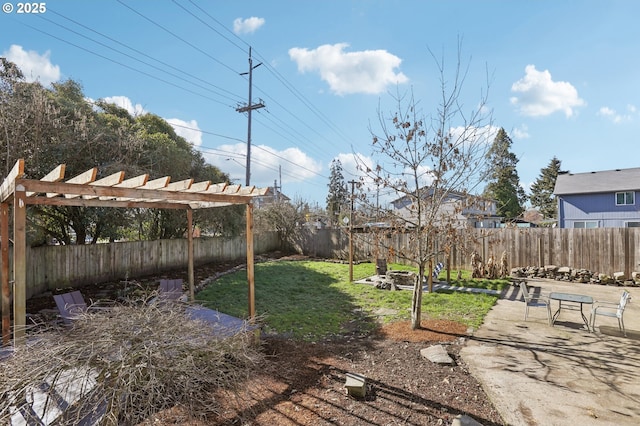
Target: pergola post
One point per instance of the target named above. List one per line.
(190, 267)
(19, 265)
(250, 268)
(6, 292)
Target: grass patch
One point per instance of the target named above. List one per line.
(313, 300)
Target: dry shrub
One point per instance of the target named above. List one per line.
(128, 364)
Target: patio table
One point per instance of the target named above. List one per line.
(572, 299)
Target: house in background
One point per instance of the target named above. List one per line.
(464, 209)
(273, 195)
(606, 199)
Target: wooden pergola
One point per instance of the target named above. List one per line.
(111, 191)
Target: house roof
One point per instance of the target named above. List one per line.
(270, 191)
(457, 195)
(595, 182)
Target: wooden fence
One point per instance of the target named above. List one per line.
(605, 250)
(52, 267)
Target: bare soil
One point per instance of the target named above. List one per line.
(302, 383)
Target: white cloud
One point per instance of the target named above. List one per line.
(187, 129)
(521, 132)
(351, 164)
(124, 102)
(368, 71)
(474, 135)
(247, 26)
(34, 66)
(539, 95)
(616, 117)
(265, 163)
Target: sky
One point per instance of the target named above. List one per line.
(561, 75)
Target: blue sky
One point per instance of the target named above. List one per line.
(564, 74)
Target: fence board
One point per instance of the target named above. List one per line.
(605, 250)
(51, 267)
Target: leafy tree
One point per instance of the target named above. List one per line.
(542, 189)
(57, 125)
(504, 183)
(426, 159)
(83, 138)
(165, 153)
(338, 196)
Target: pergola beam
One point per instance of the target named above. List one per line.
(71, 190)
(6, 189)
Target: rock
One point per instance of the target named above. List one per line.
(437, 354)
(464, 420)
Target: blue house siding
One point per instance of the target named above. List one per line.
(600, 208)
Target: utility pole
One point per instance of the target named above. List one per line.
(248, 108)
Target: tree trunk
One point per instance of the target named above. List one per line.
(430, 276)
(416, 300)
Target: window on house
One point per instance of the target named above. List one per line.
(633, 224)
(585, 224)
(625, 198)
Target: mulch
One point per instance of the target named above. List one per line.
(302, 383)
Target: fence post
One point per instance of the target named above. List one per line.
(540, 252)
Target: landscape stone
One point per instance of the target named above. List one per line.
(437, 354)
(464, 420)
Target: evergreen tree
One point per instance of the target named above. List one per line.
(542, 189)
(504, 183)
(337, 198)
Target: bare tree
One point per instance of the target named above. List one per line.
(286, 218)
(432, 163)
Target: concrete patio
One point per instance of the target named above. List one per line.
(541, 375)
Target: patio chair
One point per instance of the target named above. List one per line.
(170, 289)
(436, 270)
(71, 305)
(610, 309)
(535, 300)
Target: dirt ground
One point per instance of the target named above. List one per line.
(302, 383)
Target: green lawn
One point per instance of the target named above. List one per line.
(313, 300)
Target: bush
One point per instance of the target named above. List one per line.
(127, 365)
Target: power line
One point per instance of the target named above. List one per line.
(122, 64)
(206, 132)
(177, 36)
(279, 77)
(209, 26)
(139, 52)
(271, 117)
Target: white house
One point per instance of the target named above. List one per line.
(462, 210)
